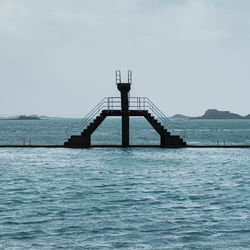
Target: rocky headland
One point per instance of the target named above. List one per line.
(215, 114)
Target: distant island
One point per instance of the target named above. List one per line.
(29, 117)
(214, 114)
(179, 116)
(24, 117)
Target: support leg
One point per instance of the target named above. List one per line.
(86, 141)
(125, 131)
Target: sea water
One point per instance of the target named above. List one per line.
(114, 198)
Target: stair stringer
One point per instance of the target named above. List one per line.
(166, 139)
(89, 131)
(154, 124)
(84, 140)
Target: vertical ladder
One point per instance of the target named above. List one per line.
(118, 76)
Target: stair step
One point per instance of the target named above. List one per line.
(166, 132)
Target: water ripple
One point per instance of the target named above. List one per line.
(138, 198)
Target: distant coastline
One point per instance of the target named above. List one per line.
(214, 114)
(29, 117)
(22, 117)
(210, 114)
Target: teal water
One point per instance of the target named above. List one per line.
(197, 132)
(124, 198)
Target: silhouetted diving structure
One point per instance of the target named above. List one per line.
(124, 106)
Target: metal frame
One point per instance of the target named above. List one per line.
(135, 103)
(118, 77)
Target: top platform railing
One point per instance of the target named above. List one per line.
(118, 77)
(135, 103)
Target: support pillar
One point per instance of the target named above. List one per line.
(163, 141)
(125, 130)
(124, 88)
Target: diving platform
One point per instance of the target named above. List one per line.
(124, 107)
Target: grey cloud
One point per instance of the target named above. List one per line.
(58, 58)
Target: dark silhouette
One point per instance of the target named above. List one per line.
(108, 107)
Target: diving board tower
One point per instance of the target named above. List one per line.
(125, 107)
(124, 89)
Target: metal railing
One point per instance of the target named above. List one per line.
(118, 77)
(144, 103)
(135, 103)
(108, 103)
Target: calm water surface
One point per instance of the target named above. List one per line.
(124, 198)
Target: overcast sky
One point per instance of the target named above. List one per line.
(58, 57)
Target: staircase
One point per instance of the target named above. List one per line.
(167, 140)
(125, 107)
(84, 139)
